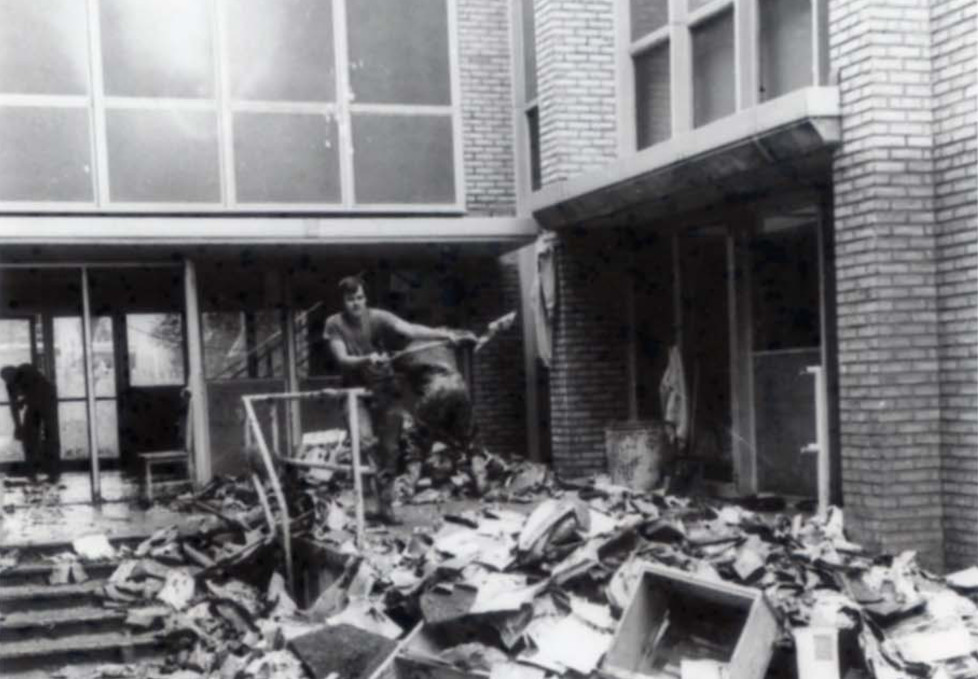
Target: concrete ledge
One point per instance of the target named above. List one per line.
(781, 132)
(176, 230)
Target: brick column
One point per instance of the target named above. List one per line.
(885, 252)
(588, 384)
(487, 106)
(954, 27)
(576, 74)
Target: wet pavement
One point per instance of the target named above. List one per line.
(41, 513)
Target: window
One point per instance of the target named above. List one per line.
(229, 103)
(714, 94)
(785, 30)
(533, 128)
(651, 66)
(155, 345)
(528, 108)
(653, 103)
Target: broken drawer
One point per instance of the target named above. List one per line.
(674, 616)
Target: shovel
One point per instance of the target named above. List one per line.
(499, 325)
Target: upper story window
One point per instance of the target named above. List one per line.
(652, 62)
(230, 104)
(687, 64)
(528, 106)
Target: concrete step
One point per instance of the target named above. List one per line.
(50, 654)
(37, 573)
(58, 624)
(20, 598)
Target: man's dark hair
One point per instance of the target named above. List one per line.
(350, 285)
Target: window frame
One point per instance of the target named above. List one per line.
(678, 33)
(524, 108)
(223, 106)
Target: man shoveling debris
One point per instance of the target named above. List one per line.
(362, 339)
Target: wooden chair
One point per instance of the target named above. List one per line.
(160, 458)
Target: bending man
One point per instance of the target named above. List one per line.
(34, 407)
(361, 338)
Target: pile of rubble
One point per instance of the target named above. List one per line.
(523, 591)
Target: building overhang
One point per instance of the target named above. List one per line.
(784, 142)
(47, 237)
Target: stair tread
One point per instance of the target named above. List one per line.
(38, 591)
(44, 567)
(58, 617)
(74, 644)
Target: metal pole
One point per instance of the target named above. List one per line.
(90, 404)
(822, 432)
(276, 488)
(351, 413)
(195, 379)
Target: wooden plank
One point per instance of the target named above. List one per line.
(354, 424)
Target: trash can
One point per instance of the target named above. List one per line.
(637, 453)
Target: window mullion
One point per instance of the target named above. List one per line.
(343, 94)
(681, 68)
(100, 151)
(225, 116)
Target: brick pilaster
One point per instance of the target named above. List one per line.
(885, 256)
(576, 74)
(485, 69)
(588, 383)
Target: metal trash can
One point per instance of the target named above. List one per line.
(637, 453)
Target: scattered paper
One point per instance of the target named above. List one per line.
(93, 548)
(178, 589)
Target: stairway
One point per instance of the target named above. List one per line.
(46, 627)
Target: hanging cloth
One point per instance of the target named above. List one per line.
(543, 296)
(672, 395)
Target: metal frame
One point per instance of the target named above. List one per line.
(269, 457)
(224, 107)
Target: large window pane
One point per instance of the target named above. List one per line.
(225, 345)
(653, 100)
(399, 51)
(73, 428)
(529, 51)
(648, 16)
(286, 157)
(69, 357)
(157, 49)
(786, 46)
(714, 95)
(403, 159)
(45, 154)
(103, 358)
(155, 343)
(281, 50)
(163, 156)
(43, 47)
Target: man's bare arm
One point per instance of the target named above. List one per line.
(338, 347)
(414, 331)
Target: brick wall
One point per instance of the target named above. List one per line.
(885, 253)
(576, 74)
(499, 376)
(487, 106)
(588, 385)
(954, 29)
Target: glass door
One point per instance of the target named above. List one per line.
(69, 369)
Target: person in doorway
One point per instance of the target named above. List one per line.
(33, 408)
(362, 339)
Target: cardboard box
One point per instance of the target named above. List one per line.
(675, 616)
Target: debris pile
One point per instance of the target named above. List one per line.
(522, 591)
